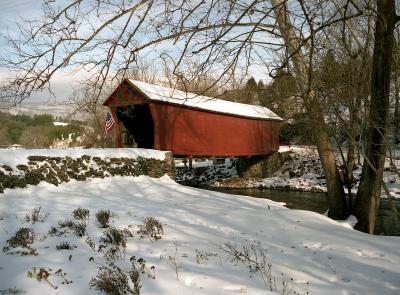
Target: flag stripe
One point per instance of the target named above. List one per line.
(108, 124)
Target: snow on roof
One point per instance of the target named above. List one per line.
(174, 96)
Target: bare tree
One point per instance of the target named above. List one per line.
(86, 103)
(369, 191)
(107, 38)
(303, 67)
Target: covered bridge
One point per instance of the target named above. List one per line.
(162, 118)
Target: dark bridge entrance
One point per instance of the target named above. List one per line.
(139, 126)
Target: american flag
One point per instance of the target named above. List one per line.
(108, 124)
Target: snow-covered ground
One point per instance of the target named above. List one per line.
(305, 250)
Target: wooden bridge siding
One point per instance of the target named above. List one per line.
(193, 132)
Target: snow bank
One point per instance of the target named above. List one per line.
(13, 158)
(318, 254)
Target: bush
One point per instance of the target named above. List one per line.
(151, 228)
(81, 213)
(111, 280)
(254, 256)
(91, 243)
(65, 246)
(66, 223)
(24, 237)
(79, 229)
(53, 231)
(114, 243)
(36, 216)
(103, 218)
(114, 236)
(134, 274)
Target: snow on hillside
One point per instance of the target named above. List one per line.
(305, 250)
(59, 109)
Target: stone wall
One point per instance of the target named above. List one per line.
(261, 167)
(56, 170)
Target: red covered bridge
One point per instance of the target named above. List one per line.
(156, 117)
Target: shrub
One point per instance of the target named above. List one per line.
(114, 236)
(91, 243)
(24, 237)
(139, 266)
(151, 228)
(134, 274)
(114, 243)
(81, 214)
(79, 229)
(65, 246)
(111, 280)
(202, 257)
(103, 218)
(254, 256)
(66, 223)
(52, 231)
(36, 216)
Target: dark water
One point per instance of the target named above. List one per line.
(317, 202)
(386, 224)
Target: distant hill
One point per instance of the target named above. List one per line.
(56, 109)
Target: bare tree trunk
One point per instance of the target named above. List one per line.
(336, 195)
(397, 93)
(368, 194)
(397, 110)
(351, 149)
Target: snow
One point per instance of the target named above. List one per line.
(13, 158)
(204, 172)
(174, 96)
(350, 222)
(304, 173)
(60, 123)
(302, 245)
(196, 163)
(56, 109)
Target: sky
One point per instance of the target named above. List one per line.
(62, 84)
(10, 10)
(10, 13)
